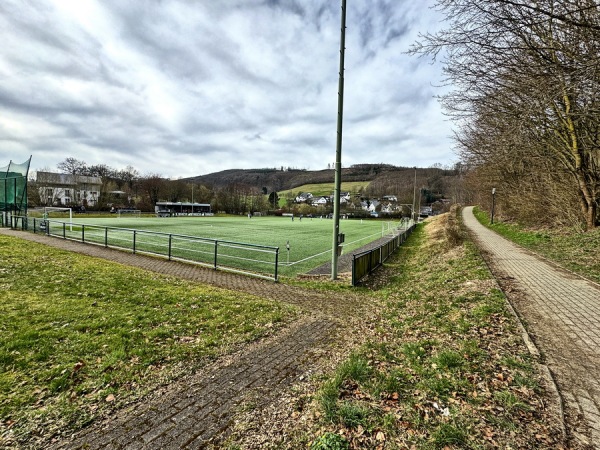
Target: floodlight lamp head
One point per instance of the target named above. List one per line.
(493, 191)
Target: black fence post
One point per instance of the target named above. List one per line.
(276, 262)
(216, 253)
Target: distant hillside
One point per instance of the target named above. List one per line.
(324, 189)
(383, 179)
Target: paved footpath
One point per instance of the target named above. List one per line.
(561, 312)
(197, 411)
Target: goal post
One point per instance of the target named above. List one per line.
(49, 209)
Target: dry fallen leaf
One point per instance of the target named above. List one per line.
(110, 398)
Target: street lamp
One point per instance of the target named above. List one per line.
(493, 204)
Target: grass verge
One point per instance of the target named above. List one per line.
(569, 248)
(80, 336)
(445, 367)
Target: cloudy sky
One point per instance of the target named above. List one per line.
(182, 88)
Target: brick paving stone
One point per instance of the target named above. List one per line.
(134, 446)
(177, 419)
(562, 313)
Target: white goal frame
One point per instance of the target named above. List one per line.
(47, 209)
(134, 212)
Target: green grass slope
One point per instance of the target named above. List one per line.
(325, 189)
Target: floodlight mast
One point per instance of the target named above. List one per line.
(338, 150)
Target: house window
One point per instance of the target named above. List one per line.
(68, 194)
(49, 193)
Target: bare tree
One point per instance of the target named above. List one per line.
(153, 188)
(527, 94)
(73, 166)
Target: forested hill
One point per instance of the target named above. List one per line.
(384, 179)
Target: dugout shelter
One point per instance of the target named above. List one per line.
(170, 209)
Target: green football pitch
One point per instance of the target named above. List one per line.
(310, 239)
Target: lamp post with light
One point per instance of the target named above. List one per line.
(493, 204)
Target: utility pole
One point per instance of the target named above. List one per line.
(419, 205)
(338, 150)
(414, 196)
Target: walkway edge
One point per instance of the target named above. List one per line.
(533, 349)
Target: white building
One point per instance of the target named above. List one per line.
(321, 201)
(304, 197)
(62, 189)
(370, 205)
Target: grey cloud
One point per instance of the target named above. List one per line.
(202, 86)
(256, 137)
(396, 33)
(366, 31)
(295, 7)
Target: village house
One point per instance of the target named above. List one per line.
(387, 208)
(369, 205)
(64, 189)
(320, 201)
(344, 198)
(303, 197)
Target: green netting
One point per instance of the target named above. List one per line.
(13, 187)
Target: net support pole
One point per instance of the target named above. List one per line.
(338, 149)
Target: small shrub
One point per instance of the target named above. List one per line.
(449, 360)
(355, 368)
(454, 234)
(448, 434)
(352, 414)
(511, 402)
(328, 397)
(330, 441)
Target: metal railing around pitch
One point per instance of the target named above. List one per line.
(366, 262)
(249, 259)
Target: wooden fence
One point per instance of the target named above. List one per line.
(366, 262)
